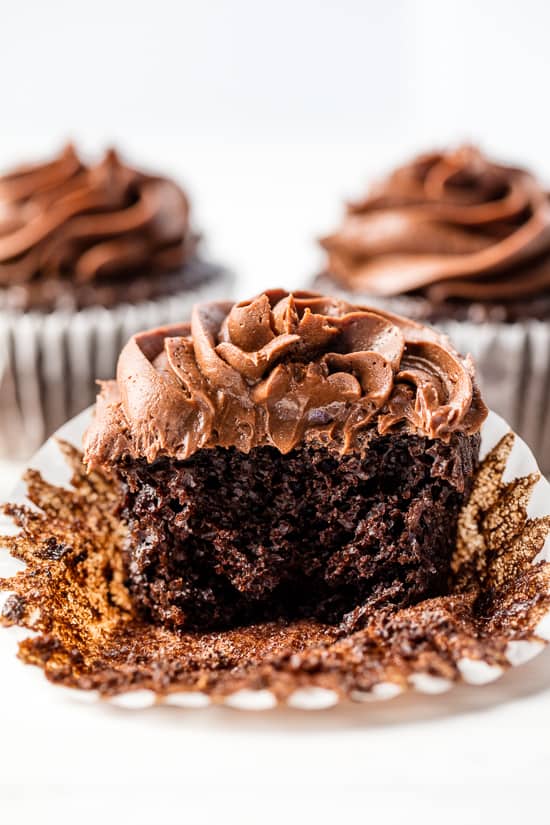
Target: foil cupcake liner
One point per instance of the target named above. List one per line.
(513, 362)
(49, 363)
(509, 510)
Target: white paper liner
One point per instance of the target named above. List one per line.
(49, 363)
(520, 463)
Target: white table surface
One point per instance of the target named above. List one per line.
(9, 473)
(475, 755)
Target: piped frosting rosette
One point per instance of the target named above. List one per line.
(65, 220)
(447, 225)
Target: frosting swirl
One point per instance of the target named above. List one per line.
(278, 370)
(66, 220)
(450, 226)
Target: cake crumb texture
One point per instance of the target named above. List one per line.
(226, 538)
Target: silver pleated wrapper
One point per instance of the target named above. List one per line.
(513, 362)
(50, 363)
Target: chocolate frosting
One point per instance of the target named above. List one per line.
(278, 370)
(449, 225)
(64, 219)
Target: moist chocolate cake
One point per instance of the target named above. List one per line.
(293, 455)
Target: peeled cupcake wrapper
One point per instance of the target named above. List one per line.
(508, 491)
(49, 363)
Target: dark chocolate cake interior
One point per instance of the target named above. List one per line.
(227, 538)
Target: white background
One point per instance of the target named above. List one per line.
(271, 114)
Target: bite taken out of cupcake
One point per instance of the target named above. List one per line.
(89, 253)
(292, 499)
(458, 240)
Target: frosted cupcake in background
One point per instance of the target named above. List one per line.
(89, 254)
(464, 243)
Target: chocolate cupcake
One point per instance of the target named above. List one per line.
(456, 240)
(89, 254)
(294, 455)
(285, 501)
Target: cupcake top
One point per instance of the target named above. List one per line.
(68, 228)
(276, 371)
(449, 225)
